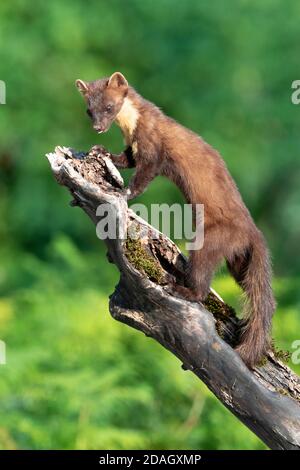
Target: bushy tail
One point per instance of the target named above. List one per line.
(260, 304)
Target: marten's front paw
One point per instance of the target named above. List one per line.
(99, 150)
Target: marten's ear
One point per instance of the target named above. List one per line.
(117, 80)
(82, 87)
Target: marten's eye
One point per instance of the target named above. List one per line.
(89, 113)
(108, 108)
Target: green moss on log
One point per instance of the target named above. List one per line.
(143, 261)
(282, 391)
(263, 362)
(281, 355)
(219, 309)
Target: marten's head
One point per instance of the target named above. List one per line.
(104, 99)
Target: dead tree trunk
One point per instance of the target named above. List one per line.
(267, 400)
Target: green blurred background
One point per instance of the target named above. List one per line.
(75, 378)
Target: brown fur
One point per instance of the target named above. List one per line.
(158, 145)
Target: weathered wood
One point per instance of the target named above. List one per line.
(267, 399)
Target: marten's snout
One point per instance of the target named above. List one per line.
(99, 128)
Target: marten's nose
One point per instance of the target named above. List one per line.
(98, 128)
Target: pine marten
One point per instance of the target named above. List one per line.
(158, 145)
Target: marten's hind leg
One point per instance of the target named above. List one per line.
(201, 266)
